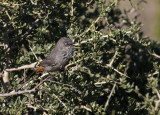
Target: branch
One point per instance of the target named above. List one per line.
(107, 102)
(23, 67)
(122, 74)
(114, 57)
(33, 53)
(153, 54)
(66, 85)
(25, 91)
(60, 101)
(38, 107)
(5, 76)
(80, 107)
(86, 108)
(17, 93)
(90, 27)
(36, 87)
(152, 74)
(25, 83)
(157, 102)
(27, 32)
(7, 48)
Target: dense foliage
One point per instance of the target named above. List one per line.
(114, 69)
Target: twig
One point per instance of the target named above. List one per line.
(25, 84)
(32, 90)
(152, 74)
(122, 74)
(26, 91)
(86, 108)
(17, 93)
(38, 107)
(66, 85)
(100, 83)
(90, 27)
(153, 54)
(89, 2)
(23, 67)
(111, 63)
(107, 36)
(48, 78)
(60, 100)
(108, 65)
(33, 53)
(80, 107)
(93, 23)
(5, 76)
(107, 102)
(72, 9)
(27, 32)
(157, 102)
(114, 57)
(85, 41)
(76, 62)
(7, 48)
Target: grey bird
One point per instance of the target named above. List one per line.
(59, 57)
(56, 60)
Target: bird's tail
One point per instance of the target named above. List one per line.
(40, 69)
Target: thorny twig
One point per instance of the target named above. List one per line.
(158, 101)
(114, 57)
(32, 65)
(109, 97)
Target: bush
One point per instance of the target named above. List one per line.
(114, 69)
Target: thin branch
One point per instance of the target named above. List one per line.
(90, 27)
(17, 93)
(72, 9)
(33, 53)
(39, 108)
(85, 41)
(158, 101)
(7, 48)
(23, 67)
(25, 84)
(80, 107)
(60, 100)
(100, 83)
(109, 97)
(108, 65)
(153, 54)
(27, 32)
(25, 91)
(76, 62)
(66, 85)
(122, 74)
(93, 23)
(152, 74)
(114, 57)
(86, 108)
(5, 77)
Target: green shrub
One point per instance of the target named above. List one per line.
(114, 69)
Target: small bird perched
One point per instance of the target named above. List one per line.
(57, 59)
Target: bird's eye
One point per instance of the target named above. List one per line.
(65, 43)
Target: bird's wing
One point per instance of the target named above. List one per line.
(48, 62)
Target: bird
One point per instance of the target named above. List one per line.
(56, 60)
